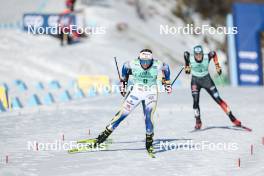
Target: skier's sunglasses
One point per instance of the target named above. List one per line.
(145, 62)
(198, 54)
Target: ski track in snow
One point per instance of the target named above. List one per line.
(126, 155)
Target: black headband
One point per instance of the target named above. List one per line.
(146, 50)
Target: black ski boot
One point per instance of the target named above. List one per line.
(102, 137)
(149, 142)
(235, 121)
(198, 123)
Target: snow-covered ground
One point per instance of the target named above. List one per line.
(40, 58)
(126, 155)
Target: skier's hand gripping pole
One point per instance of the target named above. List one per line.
(167, 85)
(218, 67)
(187, 67)
(123, 83)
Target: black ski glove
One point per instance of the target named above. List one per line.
(218, 69)
(123, 85)
(187, 69)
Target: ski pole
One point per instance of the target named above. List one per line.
(177, 76)
(117, 69)
(222, 80)
(123, 94)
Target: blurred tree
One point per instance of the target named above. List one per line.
(213, 9)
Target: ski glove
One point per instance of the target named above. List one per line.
(187, 69)
(123, 85)
(218, 69)
(167, 86)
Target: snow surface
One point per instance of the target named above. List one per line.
(126, 155)
(40, 58)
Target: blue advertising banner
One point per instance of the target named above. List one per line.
(46, 23)
(248, 18)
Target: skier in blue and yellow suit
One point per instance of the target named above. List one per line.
(144, 73)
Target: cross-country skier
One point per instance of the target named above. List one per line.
(197, 64)
(144, 72)
(70, 4)
(66, 33)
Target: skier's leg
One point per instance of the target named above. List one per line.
(130, 102)
(61, 37)
(149, 105)
(149, 113)
(196, 97)
(212, 90)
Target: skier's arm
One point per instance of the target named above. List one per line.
(166, 72)
(166, 78)
(213, 55)
(187, 67)
(126, 71)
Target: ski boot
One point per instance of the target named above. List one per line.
(102, 137)
(235, 121)
(198, 124)
(149, 144)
